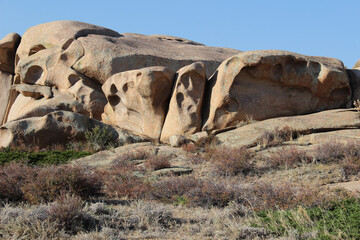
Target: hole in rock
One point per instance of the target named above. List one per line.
(36, 49)
(113, 89)
(114, 100)
(179, 99)
(33, 74)
(73, 78)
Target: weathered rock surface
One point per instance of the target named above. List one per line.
(354, 80)
(5, 86)
(107, 52)
(28, 104)
(325, 121)
(53, 128)
(266, 84)
(184, 115)
(138, 100)
(8, 46)
(133, 51)
(52, 68)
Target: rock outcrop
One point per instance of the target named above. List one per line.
(127, 81)
(54, 128)
(325, 121)
(138, 100)
(266, 84)
(184, 115)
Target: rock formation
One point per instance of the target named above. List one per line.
(138, 100)
(184, 115)
(62, 78)
(266, 84)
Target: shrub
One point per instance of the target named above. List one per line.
(12, 177)
(157, 162)
(192, 191)
(287, 195)
(46, 184)
(277, 137)
(171, 188)
(230, 162)
(120, 181)
(336, 151)
(351, 165)
(68, 214)
(100, 137)
(287, 158)
(43, 184)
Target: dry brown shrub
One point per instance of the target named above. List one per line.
(230, 161)
(351, 165)
(120, 181)
(288, 158)
(47, 183)
(287, 195)
(43, 184)
(336, 151)
(169, 189)
(157, 162)
(277, 137)
(12, 177)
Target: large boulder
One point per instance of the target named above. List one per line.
(53, 128)
(8, 46)
(184, 115)
(138, 100)
(266, 84)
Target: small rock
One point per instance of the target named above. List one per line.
(198, 136)
(177, 140)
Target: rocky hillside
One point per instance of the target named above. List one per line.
(126, 136)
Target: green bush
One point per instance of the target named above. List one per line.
(100, 137)
(40, 158)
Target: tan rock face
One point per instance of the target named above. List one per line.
(5, 86)
(138, 100)
(266, 84)
(45, 62)
(184, 115)
(53, 128)
(8, 46)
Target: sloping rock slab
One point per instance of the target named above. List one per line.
(325, 121)
(106, 158)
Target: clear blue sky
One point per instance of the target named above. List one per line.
(311, 27)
